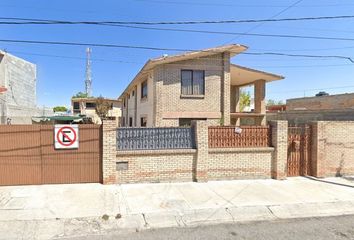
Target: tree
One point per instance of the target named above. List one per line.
(60, 109)
(272, 102)
(80, 95)
(245, 100)
(102, 107)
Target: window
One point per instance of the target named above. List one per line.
(130, 122)
(144, 89)
(186, 122)
(124, 102)
(133, 93)
(192, 82)
(90, 105)
(76, 105)
(123, 121)
(143, 121)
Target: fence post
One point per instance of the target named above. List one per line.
(109, 141)
(280, 144)
(317, 149)
(201, 140)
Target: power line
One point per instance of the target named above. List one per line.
(169, 49)
(236, 5)
(300, 55)
(313, 89)
(272, 17)
(185, 30)
(217, 32)
(47, 21)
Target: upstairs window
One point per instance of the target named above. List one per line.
(192, 82)
(144, 89)
(90, 105)
(76, 105)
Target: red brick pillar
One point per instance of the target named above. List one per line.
(109, 150)
(280, 144)
(201, 136)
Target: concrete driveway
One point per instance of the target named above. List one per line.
(94, 208)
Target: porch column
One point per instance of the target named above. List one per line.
(235, 104)
(259, 100)
(225, 88)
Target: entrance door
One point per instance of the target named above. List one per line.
(299, 151)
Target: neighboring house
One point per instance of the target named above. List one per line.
(87, 106)
(324, 107)
(19, 103)
(173, 90)
(322, 102)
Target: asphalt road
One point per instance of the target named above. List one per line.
(332, 228)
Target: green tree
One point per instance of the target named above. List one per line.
(80, 95)
(272, 102)
(60, 109)
(245, 100)
(102, 107)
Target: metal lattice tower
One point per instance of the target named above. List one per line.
(88, 80)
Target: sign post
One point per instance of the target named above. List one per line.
(66, 136)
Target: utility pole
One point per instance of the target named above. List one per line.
(88, 80)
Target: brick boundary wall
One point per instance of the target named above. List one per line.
(280, 143)
(109, 149)
(200, 164)
(332, 148)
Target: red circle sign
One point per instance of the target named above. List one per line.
(71, 141)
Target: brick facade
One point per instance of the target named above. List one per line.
(170, 105)
(332, 148)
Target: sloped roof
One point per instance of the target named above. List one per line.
(233, 49)
(242, 76)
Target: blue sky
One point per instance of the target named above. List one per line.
(59, 78)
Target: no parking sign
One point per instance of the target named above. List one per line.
(66, 136)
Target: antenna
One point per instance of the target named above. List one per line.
(88, 80)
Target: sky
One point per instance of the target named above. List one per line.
(61, 69)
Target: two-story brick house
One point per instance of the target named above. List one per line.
(173, 90)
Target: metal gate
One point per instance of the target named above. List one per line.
(299, 151)
(27, 156)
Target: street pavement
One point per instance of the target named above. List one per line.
(59, 211)
(326, 228)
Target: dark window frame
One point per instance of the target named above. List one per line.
(144, 83)
(130, 121)
(92, 105)
(141, 122)
(192, 71)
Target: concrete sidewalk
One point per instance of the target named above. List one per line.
(58, 211)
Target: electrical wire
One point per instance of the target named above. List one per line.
(48, 21)
(168, 49)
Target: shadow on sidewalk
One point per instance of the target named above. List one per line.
(334, 183)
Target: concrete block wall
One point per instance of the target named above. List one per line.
(332, 148)
(339, 101)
